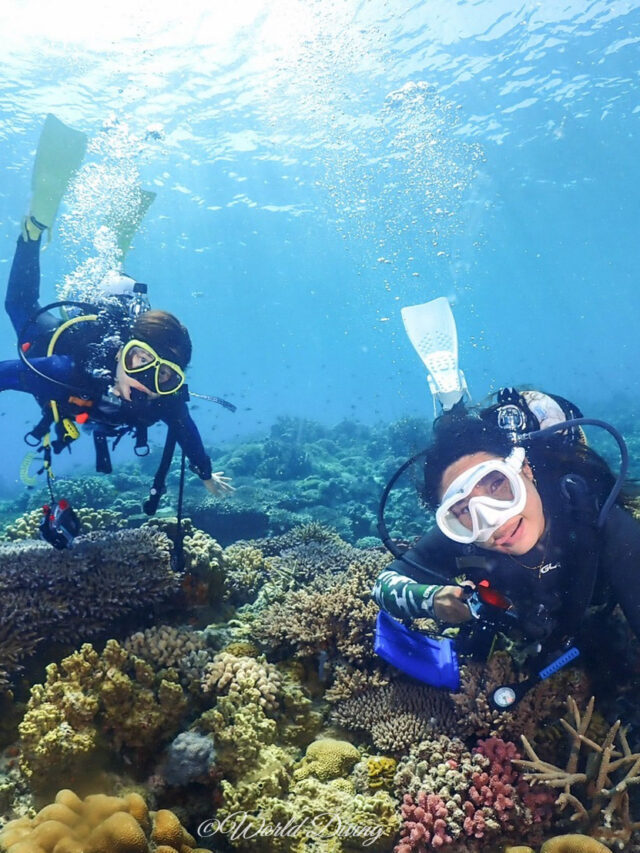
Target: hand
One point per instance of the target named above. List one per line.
(449, 605)
(218, 485)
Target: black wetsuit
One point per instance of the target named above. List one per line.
(576, 564)
(84, 364)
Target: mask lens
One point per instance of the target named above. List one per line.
(494, 485)
(138, 358)
(169, 380)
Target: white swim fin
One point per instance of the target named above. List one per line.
(432, 331)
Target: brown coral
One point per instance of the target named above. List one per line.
(397, 715)
(97, 824)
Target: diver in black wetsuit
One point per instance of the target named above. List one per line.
(521, 520)
(106, 370)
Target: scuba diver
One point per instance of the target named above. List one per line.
(114, 367)
(530, 531)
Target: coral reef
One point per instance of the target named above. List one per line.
(165, 646)
(544, 702)
(97, 824)
(595, 783)
(80, 593)
(333, 614)
(397, 715)
(27, 526)
(112, 700)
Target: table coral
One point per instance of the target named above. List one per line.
(97, 824)
(79, 593)
(397, 715)
(113, 698)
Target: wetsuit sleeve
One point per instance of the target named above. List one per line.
(620, 561)
(189, 439)
(404, 590)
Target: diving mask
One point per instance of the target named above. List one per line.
(483, 498)
(158, 374)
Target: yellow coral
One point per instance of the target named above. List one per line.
(380, 771)
(97, 824)
(573, 843)
(327, 759)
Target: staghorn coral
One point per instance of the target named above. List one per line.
(595, 783)
(112, 698)
(97, 824)
(397, 715)
(79, 593)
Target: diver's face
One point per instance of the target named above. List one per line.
(125, 384)
(520, 533)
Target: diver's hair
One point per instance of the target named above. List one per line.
(458, 433)
(166, 334)
(462, 432)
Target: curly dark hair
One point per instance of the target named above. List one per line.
(166, 334)
(461, 432)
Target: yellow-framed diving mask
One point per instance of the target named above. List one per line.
(158, 374)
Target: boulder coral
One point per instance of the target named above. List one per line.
(97, 824)
(327, 758)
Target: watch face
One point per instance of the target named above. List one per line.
(504, 697)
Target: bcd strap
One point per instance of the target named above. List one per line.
(158, 487)
(103, 457)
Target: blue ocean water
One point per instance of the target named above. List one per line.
(318, 165)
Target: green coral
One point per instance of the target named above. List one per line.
(113, 700)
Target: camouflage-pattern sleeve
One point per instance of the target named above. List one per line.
(402, 597)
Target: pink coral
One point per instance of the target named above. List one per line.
(424, 824)
(499, 797)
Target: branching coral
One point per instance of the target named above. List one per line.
(334, 614)
(114, 698)
(595, 782)
(475, 716)
(244, 679)
(396, 716)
